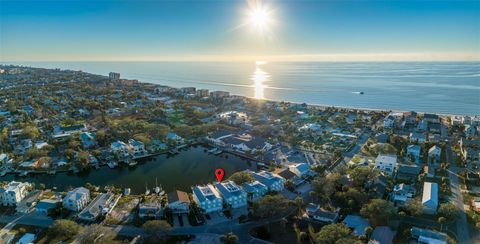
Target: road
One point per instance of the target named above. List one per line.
(33, 219)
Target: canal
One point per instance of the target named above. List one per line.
(189, 167)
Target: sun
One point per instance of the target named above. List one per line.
(259, 16)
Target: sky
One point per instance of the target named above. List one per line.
(303, 30)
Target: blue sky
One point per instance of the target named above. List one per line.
(198, 30)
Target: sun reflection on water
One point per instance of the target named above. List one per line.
(258, 77)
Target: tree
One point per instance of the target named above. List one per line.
(269, 206)
(448, 210)
(63, 230)
(333, 232)
(414, 207)
(378, 211)
(241, 177)
(360, 175)
(299, 203)
(229, 238)
(154, 227)
(96, 234)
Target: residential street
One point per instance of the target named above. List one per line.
(457, 199)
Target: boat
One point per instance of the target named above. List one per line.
(147, 191)
(217, 152)
(358, 92)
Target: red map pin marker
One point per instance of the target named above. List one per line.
(219, 173)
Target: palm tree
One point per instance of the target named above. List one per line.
(229, 238)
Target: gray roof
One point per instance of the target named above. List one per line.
(205, 193)
(253, 186)
(229, 189)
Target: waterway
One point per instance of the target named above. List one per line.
(181, 171)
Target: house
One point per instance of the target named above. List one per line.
(44, 206)
(27, 238)
(389, 122)
(88, 139)
(456, 120)
(60, 132)
(430, 197)
(408, 172)
(272, 181)
(76, 199)
(232, 194)
(216, 138)
(417, 137)
(434, 154)
(137, 148)
(379, 186)
(120, 148)
(382, 235)
(149, 210)
(413, 153)
(246, 143)
(422, 126)
(434, 128)
(219, 94)
(410, 118)
(13, 193)
(233, 117)
(255, 190)
(101, 205)
(402, 193)
(357, 224)
(428, 236)
(207, 198)
(174, 138)
(431, 118)
(202, 93)
(386, 163)
(301, 170)
(316, 212)
(3, 158)
(178, 202)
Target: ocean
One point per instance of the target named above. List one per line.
(435, 87)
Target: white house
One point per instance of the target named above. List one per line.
(402, 193)
(300, 169)
(233, 117)
(434, 154)
(178, 202)
(13, 193)
(120, 148)
(272, 181)
(430, 197)
(76, 199)
(232, 194)
(247, 143)
(413, 153)
(207, 198)
(136, 147)
(386, 163)
(255, 190)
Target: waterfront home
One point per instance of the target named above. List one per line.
(233, 117)
(137, 148)
(207, 198)
(120, 148)
(216, 138)
(76, 199)
(315, 212)
(13, 193)
(88, 139)
(301, 170)
(232, 194)
(417, 137)
(402, 193)
(3, 158)
(178, 202)
(408, 172)
(219, 94)
(386, 163)
(255, 190)
(151, 210)
(101, 205)
(188, 90)
(172, 137)
(202, 93)
(246, 143)
(272, 181)
(357, 224)
(413, 153)
(430, 197)
(431, 118)
(409, 118)
(44, 206)
(428, 236)
(434, 154)
(382, 235)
